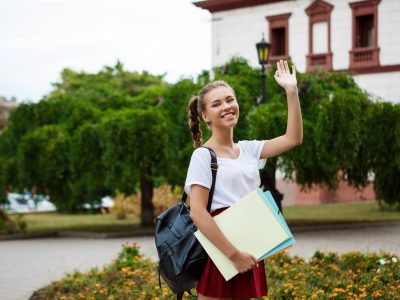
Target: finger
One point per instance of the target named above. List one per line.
(293, 70)
(276, 75)
(282, 67)
(278, 67)
(253, 258)
(287, 67)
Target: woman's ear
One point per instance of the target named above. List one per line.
(204, 116)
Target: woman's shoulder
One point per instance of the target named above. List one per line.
(252, 147)
(201, 153)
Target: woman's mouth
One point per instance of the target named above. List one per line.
(228, 116)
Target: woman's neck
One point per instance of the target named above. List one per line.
(222, 138)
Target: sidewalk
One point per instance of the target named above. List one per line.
(150, 231)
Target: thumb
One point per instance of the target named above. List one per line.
(254, 259)
(293, 70)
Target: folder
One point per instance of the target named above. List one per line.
(255, 225)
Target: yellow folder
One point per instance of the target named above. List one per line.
(251, 226)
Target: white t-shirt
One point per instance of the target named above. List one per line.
(235, 177)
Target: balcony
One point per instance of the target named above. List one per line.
(364, 57)
(322, 60)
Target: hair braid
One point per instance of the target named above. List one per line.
(194, 121)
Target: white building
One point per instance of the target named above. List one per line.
(362, 37)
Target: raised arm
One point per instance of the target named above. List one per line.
(294, 129)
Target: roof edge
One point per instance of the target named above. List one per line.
(222, 5)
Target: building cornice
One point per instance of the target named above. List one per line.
(222, 5)
(372, 70)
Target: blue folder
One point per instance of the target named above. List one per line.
(271, 204)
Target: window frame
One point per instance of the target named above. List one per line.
(364, 57)
(275, 22)
(319, 11)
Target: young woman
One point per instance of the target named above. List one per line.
(237, 175)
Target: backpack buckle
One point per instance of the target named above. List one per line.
(214, 166)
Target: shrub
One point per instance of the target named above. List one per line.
(10, 226)
(351, 275)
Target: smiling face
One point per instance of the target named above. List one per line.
(221, 107)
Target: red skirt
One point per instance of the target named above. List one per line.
(252, 284)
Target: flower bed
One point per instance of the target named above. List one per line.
(325, 276)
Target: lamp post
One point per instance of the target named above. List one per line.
(263, 50)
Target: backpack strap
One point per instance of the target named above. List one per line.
(179, 295)
(214, 168)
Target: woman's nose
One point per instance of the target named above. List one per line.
(226, 106)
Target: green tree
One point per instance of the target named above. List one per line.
(175, 106)
(383, 151)
(135, 143)
(87, 168)
(43, 163)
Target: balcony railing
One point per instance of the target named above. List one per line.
(322, 60)
(364, 57)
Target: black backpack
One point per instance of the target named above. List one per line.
(181, 257)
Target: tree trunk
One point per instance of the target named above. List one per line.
(146, 188)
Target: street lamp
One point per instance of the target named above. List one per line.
(263, 49)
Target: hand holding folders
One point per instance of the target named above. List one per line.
(254, 225)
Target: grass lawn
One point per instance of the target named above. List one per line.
(294, 215)
(338, 213)
(52, 221)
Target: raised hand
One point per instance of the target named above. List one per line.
(283, 76)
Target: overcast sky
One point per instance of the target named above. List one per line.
(38, 38)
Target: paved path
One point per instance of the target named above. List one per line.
(27, 265)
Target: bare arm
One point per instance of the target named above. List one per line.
(206, 224)
(294, 129)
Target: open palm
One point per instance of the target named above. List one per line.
(283, 76)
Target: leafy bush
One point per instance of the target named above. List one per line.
(164, 196)
(326, 276)
(7, 225)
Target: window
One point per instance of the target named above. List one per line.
(319, 30)
(279, 36)
(278, 39)
(364, 31)
(365, 50)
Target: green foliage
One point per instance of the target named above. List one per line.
(111, 88)
(180, 148)
(43, 163)
(339, 137)
(352, 275)
(57, 146)
(87, 167)
(9, 226)
(135, 141)
(383, 151)
(120, 130)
